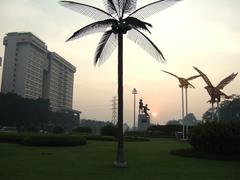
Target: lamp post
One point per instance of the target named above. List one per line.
(134, 92)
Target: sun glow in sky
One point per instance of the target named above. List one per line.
(205, 34)
(154, 114)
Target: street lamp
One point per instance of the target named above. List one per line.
(134, 92)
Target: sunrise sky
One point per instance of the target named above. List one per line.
(205, 34)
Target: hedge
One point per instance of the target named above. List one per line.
(51, 140)
(82, 129)
(216, 137)
(112, 138)
(6, 137)
(42, 139)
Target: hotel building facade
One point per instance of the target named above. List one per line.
(31, 71)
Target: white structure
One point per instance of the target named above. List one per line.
(31, 71)
(143, 122)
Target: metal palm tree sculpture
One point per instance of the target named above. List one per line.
(184, 83)
(215, 92)
(114, 24)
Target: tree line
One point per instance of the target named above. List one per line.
(25, 114)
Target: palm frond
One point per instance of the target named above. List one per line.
(226, 81)
(145, 43)
(152, 8)
(115, 7)
(105, 47)
(87, 10)
(124, 6)
(205, 78)
(129, 6)
(138, 24)
(96, 27)
(110, 7)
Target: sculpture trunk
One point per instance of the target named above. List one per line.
(134, 109)
(212, 111)
(183, 133)
(120, 162)
(186, 101)
(217, 110)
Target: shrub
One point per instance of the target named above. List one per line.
(109, 130)
(100, 138)
(163, 130)
(54, 140)
(216, 137)
(58, 130)
(112, 138)
(135, 139)
(136, 133)
(11, 137)
(32, 129)
(83, 129)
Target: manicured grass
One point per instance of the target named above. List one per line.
(146, 161)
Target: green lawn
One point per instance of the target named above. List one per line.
(146, 160)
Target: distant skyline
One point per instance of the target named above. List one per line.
(205, 34)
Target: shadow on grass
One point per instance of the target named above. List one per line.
(191, 153)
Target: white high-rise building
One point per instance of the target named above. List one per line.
(31, 71)
(60, 87)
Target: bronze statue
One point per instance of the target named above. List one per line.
(140, 111)
(214, 92)
(145, 110)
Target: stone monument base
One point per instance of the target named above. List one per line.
(143, 122)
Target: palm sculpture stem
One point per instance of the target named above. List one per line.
(184, 84)
(114, 25)
(215, 92)
(120, 152)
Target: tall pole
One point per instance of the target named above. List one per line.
(120, 161)
(134, 92)
(218, 110)
(114, 110)
(212, 111)
(186, 112)
(183, 114)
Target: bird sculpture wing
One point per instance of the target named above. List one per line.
(171, 74)
(190, 85)
(205, 78)
(222, 94)
(193, 77)
(226, 81)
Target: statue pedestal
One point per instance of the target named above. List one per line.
(143, 122)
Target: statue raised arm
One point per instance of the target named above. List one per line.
(145, 110)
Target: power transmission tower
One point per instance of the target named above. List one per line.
(114, 109)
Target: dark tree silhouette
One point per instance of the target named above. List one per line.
(114, 25)
(184, 83)
(215, 91)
